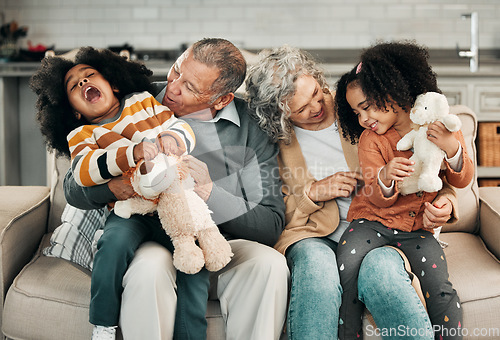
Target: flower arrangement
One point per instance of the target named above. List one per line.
(9, 35)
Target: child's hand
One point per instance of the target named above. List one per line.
(168, 145)
(438, 213)
(444, 139)
(396, 170)
(145, 150)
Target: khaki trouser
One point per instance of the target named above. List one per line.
(252, 290)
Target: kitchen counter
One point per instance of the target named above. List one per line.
(335, 62)
(160, 69)
(18, 69)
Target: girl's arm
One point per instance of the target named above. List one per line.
(172, 127)
(444, 208)
(374, 155)
(92, 165)
(460, 178)
(451, 143)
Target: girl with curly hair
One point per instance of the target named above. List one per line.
(98, 110)
(290, 98)
(373, 102)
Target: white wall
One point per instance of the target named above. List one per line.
(165, 24)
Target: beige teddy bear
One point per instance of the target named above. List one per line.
(165, 186)
(428, 157)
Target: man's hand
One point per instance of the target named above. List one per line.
(340, 184)
(396, 170)
(199, 171)
(121, 187)
(438, 213)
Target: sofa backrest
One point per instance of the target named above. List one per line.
(57, 168)
(468, 197)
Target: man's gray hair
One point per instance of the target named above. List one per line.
(227, 58)
(271, 85)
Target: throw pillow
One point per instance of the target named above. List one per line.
(73, 239)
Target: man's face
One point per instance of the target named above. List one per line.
(188, 89)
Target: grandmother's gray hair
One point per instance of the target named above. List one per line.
(270, 86)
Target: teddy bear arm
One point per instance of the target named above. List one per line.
(452, 122)
(406, 142)
(134, 205)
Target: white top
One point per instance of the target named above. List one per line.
(324, 156)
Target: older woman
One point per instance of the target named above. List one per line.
(319, 168)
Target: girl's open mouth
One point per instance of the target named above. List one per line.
(91, 93)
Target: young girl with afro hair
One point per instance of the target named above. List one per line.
(373, 102)
(97, 109)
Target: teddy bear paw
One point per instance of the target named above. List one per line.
(216, 259)
(123, 209)
(188, 258)
(452, 122)
(408, 186)
(216, 249)
(430, 183)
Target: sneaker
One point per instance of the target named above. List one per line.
(104, 333)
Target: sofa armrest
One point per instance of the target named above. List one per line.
(24, 211)
(490, 218)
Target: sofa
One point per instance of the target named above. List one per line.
(48, 297)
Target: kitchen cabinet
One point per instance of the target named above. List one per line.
(9, 127)
(482, 95)
(22, 150)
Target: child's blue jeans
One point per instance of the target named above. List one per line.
(316, 293)
(427, 261)
(116, 248)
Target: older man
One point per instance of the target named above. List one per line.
(235, 170)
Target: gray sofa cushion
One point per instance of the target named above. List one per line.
(475, 275)
(48, 300)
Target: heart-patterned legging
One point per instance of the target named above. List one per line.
(427, 261)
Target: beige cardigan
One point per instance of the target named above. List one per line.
(303, 217)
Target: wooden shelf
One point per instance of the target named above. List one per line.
(488, 172)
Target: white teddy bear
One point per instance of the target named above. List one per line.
(164, 185)
(428, 157)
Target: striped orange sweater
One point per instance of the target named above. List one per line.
(100, 152)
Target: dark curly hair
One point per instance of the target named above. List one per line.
(54, 112)
(392, 72)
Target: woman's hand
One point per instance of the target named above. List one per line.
(340, 184)
(437, 213)
(396, 170)
(121, 187)
(443, 138)
(199, 171)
